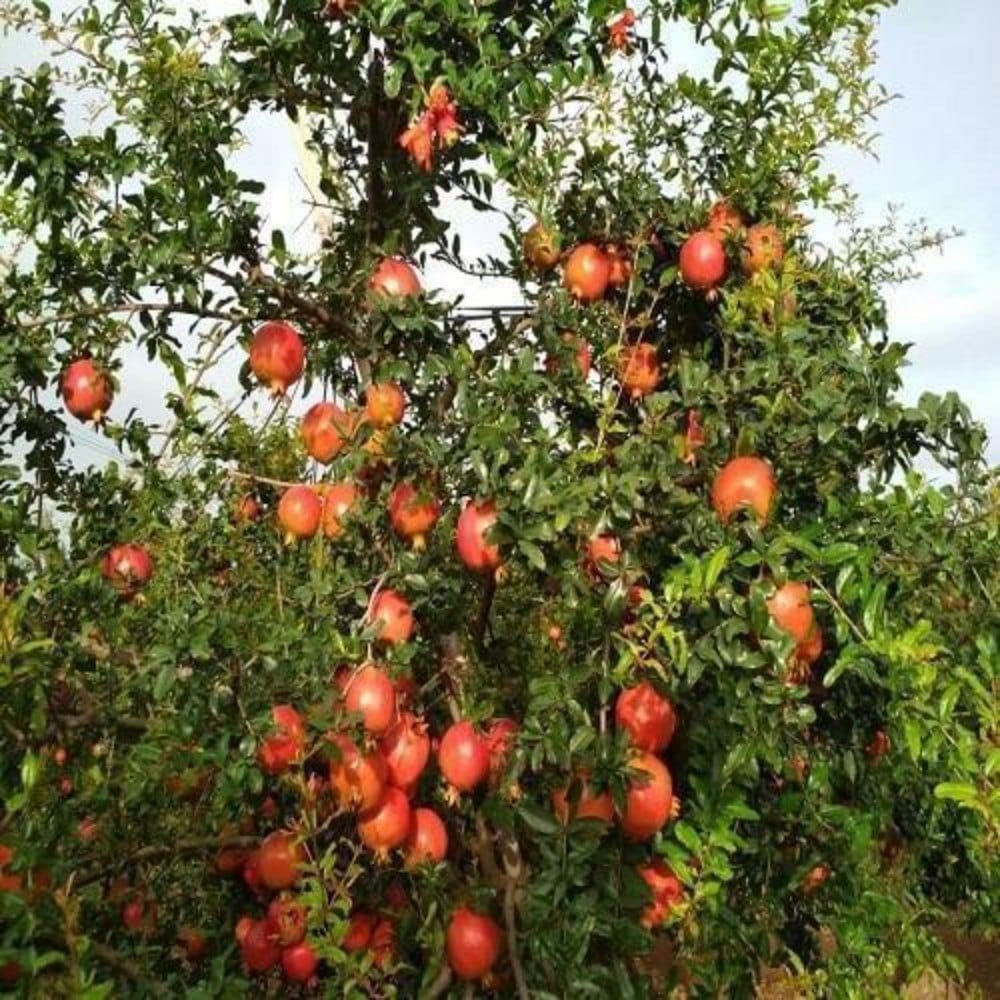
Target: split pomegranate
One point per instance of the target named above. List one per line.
(86, 390)
(500, 738)
(279, 858)
(358, 779)
(127, 567)
(602, 552)
(724, 220)
(338, 500)
(743, 482)
(474, 524)
(325, 427)
(395, 278)
(621, 266)
(427, 840)
(666, 889)
(286, 920)
(463, 757)
(391, 615)
(406, 748)
(277, 355)
(257, 949)
(639, 370)
(384, 404)
(371, 693)
(383, 943)
(764, 248)
(647, 717)
(791, 611)
(299, 512)
(649, 798)
(413, 514)
(472, 942)
(278, 752)
(359, 931)
(703, 261)
(299, 963)
(540, 247)
(583, 356)
(386, 825)
(589, 805)
(587, 273)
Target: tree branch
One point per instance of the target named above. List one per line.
(514, 867)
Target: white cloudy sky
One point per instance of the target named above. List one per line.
(939, 155)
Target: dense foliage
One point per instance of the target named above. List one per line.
(833, 774)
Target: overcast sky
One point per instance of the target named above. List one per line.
(939, 156)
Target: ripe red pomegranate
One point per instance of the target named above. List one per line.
(879, 745)
(815, 878)
(742, 482)
(248, 509)
(587, 273)
(390, 613)
(474, 524)
(193, 942)
(472, 942)
(649, 798)
(127, 567)
(394, 278)
(427, 840)
(325, 428)
(258, 951)
(406, 748)
(703, 261)
(413, 514)
(724, 220)
(384, 404)
(86, 390)
(134, 914)
(277, 355)
(371, 693)
(299, 512)
(601, 553)
(383, 943)
(359, 931)
(589, 806)
(463, 757)
(299, 963)
(639, 370)
(540, 247)
(666, 889)
(250, 872)
(386, 826)
(764, 248)
(242, 928)
(358, 779)
(500, 739)
(286, 920)
(553, 363)
(278, 752)
(338, 501)
(808, 652)
(647, 717)
(621, 266)
(279, 859)
(791, 611)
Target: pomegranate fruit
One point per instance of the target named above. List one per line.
(286, 920)
(383, 943)
(649, 798)
(582, 355)
(647, 717)
(639, 370)
(540, 247)
(602, 552)
(299, 512)
(427, 840)
(299, 963)
(133, 915)
(384, 404)
(285, 747)
(589, 805)
(413, 514)
(621, 266)
(744, 482)
(500, 739)
(338, 501)
(587, 273)
(474, 524)
(463, 757)
(666, 889)
(370, 692)
(703, 261)
(359, 931)
(764, 248)
(325, 428)
(358, 779)
(395, 278)
(279, 859)
(472, 942)
(248, 509)
(257, 949)
(406, 748)
(127, 567)
(386, 826)
(791, 611)
(193, 942)
(277, 355)
(724, 220)
(242, 928)
(86, 390)
(391, 616)
(879, 745)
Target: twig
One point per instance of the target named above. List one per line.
(440, 985)
(483, 618)
(514, 868)
(836, 605)
(254, 478)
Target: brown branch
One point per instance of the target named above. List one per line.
(482, 621)
(129, 308)
(254, 478)
(514, 867)
(486, 855)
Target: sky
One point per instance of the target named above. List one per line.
(938, 157)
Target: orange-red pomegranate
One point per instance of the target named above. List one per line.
(602, 552)
(621, 266)
(647, 717)
(703, 261)
(639, 370)
(277, 355)
(589, 806)
(395, 278)
(325, 427)
(791, 611)
(257, 949)
(370, 692)
(666, 889)
(358, 779)
(86, 390)
(384, 404)
(463, 757)
(279, 859)
(338, 501)
(724, 220)
(587, 273)
(248, 509)
(390, 613)
(299, 512)
(127, 567)
(764, 248)
(413, 514)
(500, 739)
(649, 798)
(386, 826)
(745, 482)
(359, 931)
(287, 920)
(286, 746)
(193, 942)
(540, 247)
(406, 748)
(299, 963)
(474, 524)
(427, 840)
(472, 942)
